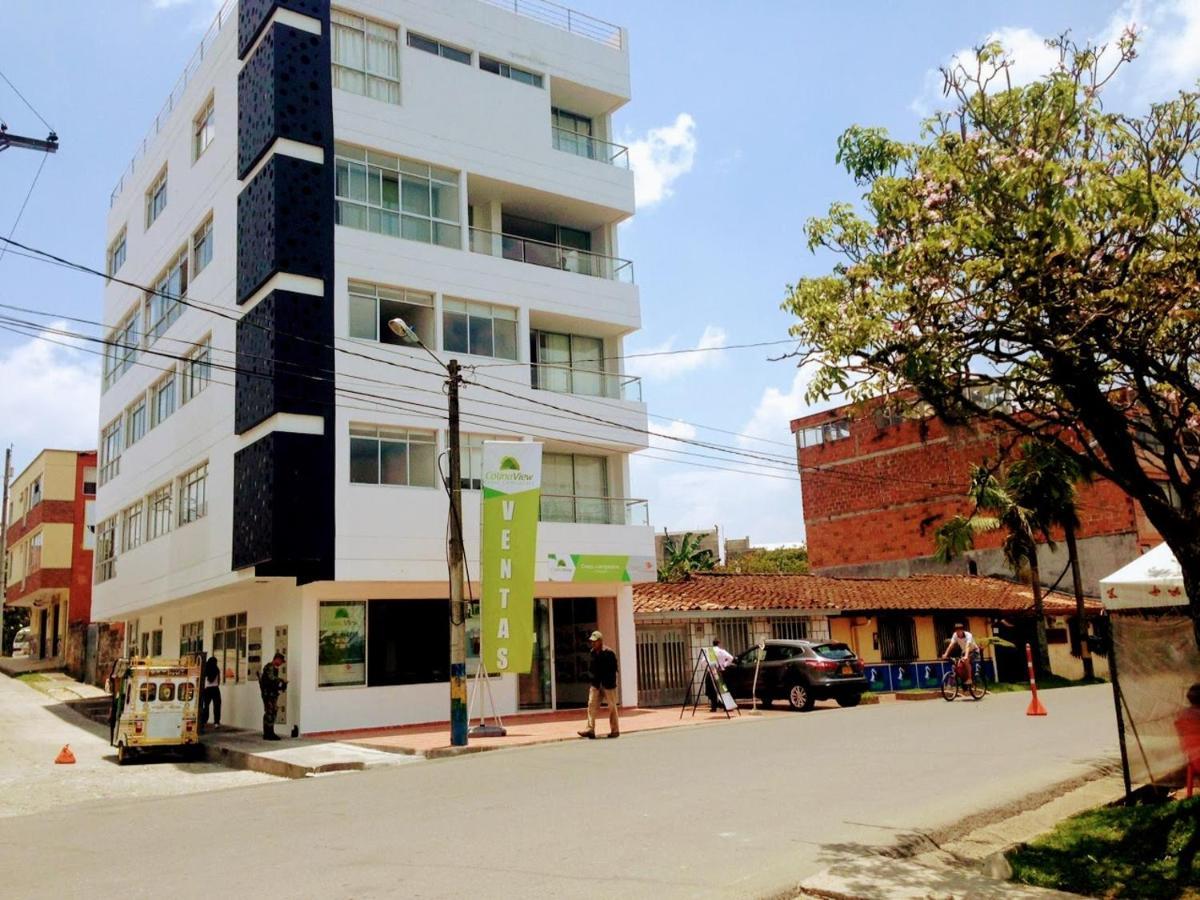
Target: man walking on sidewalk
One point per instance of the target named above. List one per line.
(270, 685)
(604, 687)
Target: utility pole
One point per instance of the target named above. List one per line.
(4, 540)
(49, 145)
(458, 610)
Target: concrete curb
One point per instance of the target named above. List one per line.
(233, 758)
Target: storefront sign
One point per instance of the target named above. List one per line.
(512, 481)
(342, 651)
(598, 568)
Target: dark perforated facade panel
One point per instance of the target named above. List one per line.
(253, 16)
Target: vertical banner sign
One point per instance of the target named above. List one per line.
(512, 482)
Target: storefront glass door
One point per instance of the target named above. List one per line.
(535, 690)
(574, 620)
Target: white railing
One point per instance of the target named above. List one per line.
(591, 148)
(567, 19)
(585, 382)
(572, 508)
(227, 13)
(552, 256)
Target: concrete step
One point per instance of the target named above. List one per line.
(94, 708)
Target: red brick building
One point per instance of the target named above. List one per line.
(876, 485)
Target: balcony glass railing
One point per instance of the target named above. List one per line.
(594, 510)
(585, 382)
(552, 256)
(590, 148)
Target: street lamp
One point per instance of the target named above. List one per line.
(458, 612)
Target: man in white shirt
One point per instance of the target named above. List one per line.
(724, 658)
(965, 642)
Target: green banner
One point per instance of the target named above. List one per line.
(512, 479)
(599, 568)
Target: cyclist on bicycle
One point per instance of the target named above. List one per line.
(963, 642)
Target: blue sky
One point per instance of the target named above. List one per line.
(735, 113)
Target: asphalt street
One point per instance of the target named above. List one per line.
(742, 809)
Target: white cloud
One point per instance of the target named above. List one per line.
(663, 368)
(50, 398)
(660, 158)
(1030, 60)
(660, 435)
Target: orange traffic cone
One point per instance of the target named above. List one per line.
(1035, 707)
(65, 756)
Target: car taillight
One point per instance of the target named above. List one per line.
(824, 665)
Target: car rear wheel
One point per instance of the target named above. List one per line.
(800, 697)
(849, 700)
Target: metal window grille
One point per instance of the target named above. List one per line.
(801, 628)
(898, 639)
(734, 634)
(663, 665)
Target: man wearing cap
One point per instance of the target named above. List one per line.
(270, 685)
(604, 687)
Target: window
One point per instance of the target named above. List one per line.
(89, 479)
(133, 527)
(573, 133)
(480, 329)
(397, 197)
(437, 48)
(89, 525)
(191, 639)
(823, 434)
(472, 459)
(372, 306)
(162, 399)
(162, 304)
(202, 247)
(193, 495)
(121, 348)
(34, 555)
(106, 549)
(156, 197)
(131, 637)
(116, 253)
(504, 70)
(889, 417)
(166, 690)
(35, 492)
(393, 657)
(229, 646)
(145, 643)
(158, 512)
(196, 370)
(203, 129)
(897, 639)
(136, 421)
(148, 690)
(392, 456)
(110, 450)
(187, 691)
(734, 634)
(156, 645)
(575, 489)
(569, 364)
(800, 628)
(366, 57)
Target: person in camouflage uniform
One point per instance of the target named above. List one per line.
(269, 685)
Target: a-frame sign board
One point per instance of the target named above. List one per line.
(706, 672)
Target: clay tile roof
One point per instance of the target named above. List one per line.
(923, 593)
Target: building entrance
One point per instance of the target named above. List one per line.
(558, 678)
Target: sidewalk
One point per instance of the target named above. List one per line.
(294, 757)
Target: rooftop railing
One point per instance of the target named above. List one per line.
(552, 256)
(585, 382)
(574, 509)
(567, 19)
(591, 148)
(227, 13)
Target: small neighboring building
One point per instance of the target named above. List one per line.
(709, 539)
(49, 543)
(876, 484)
(892, 624)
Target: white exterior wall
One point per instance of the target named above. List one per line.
(390, 541)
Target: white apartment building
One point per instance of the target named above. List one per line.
(269, 451)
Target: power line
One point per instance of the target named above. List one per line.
(26, 102)
(652, 353)
(25, 202)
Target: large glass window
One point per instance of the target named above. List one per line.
(196, 371)
(437, 48)
(569, 364)
(481, 329)
(372, 306)
(366, 57)
(393, 657)
(573, 133)
(136, 421)
(162, 399)
(162, 304)
(471, 458)
(193, 495)
(229, 647)
(397, 197)
(158, 512)
(504, 70)
(396, 456)
(133, 526)
(121, 348)
(837, 430)
(191, 639)
(156, 197)
(575, 489)
(106, 549)
(110, 450)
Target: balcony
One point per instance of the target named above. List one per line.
(590, 148)
(571, 508)
(551, 256)
(557, 16)
(584, 382)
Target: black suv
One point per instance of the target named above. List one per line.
(801, 672)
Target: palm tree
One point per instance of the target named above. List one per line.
(1045, 479)
(996, 506)
(683, 557)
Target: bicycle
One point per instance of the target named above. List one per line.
(952, 684)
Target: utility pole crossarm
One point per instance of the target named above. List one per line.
(49, 145)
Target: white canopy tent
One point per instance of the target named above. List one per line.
(1152, 580)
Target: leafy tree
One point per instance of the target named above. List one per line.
(1034, 260)
(996, 507)
(682, 557)
(780, 561)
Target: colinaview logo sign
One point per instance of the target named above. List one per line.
(512, 480)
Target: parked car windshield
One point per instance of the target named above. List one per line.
(834, 651)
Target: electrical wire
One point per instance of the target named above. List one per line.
(26, 102)
(25, 202)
